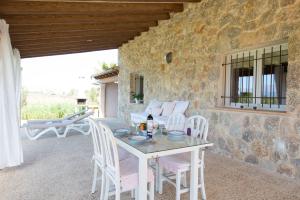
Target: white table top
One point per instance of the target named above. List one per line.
(160, 142)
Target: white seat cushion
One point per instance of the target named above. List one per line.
(138, 117)
(161, 120)
(168, 108)
(181, 107)
(142, 117)
(156, 111)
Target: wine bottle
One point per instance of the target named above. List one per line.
(149, 125)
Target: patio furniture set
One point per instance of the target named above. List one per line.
(131, 165)
(127, 165)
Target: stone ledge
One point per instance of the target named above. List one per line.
(261, 112)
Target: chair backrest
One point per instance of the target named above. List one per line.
(110, 154)
(175, 122)
(98, 142)
(198, 126)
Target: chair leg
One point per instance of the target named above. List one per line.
(157, 176)
(133, 194)
(178, 182)
(118, 193)
(160, 180)
(106, 188)
(103, 187)
(136, 193)
(151, 196)
(94, 178)
(184, 179)
(202, 182)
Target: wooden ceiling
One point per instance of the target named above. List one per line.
(53, 27)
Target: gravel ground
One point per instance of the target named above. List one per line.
(61, 169)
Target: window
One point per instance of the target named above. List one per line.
(136, 88)
(256, 79)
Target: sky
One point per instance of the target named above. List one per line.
(60, 74)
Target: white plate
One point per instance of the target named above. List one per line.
(122, 130)
(176, 133)
(139, 138)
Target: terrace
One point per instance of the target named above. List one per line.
(61, 169)
(236, 63)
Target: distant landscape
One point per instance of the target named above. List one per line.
(48, 105)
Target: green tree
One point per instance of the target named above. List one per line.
(106, 66)
(92, 95)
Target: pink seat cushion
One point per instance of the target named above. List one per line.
(129, 174)
(174, 163)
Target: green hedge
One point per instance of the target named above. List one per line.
(51, 111)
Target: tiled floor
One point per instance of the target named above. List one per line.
(57, 169)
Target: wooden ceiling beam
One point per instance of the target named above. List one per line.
(80, 19)
(120, 1)
(39, 53)
(55, 27)
(79, 27)
(74, 36)
(67, 42)
(67, 46)
(105, 37)
(110, 9)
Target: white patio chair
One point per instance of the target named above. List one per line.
(98, 157)
(176, 122)
(122, 175)
(177, 166)
(77, 122)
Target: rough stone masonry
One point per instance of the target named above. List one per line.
(199, 37)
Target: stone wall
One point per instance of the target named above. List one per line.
(199, 38)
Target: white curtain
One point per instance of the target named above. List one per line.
(11, 153)
(18, 78)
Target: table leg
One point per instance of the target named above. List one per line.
(194, 174)
(143, 174)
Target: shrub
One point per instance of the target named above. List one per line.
(51, 111)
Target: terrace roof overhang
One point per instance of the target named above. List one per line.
(54, 27)
(107, 74)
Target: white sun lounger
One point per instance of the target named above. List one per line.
(36, 128)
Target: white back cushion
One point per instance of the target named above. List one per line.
(181, 107)
(156, 111)
(152, 105)
(167, 108)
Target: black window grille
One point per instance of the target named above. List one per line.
(256, 79)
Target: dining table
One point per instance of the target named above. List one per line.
(160, 145)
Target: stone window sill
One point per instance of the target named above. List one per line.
(258, 111)
(132, 103)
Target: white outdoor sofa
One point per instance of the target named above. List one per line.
(77, 122)
(160, 111)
